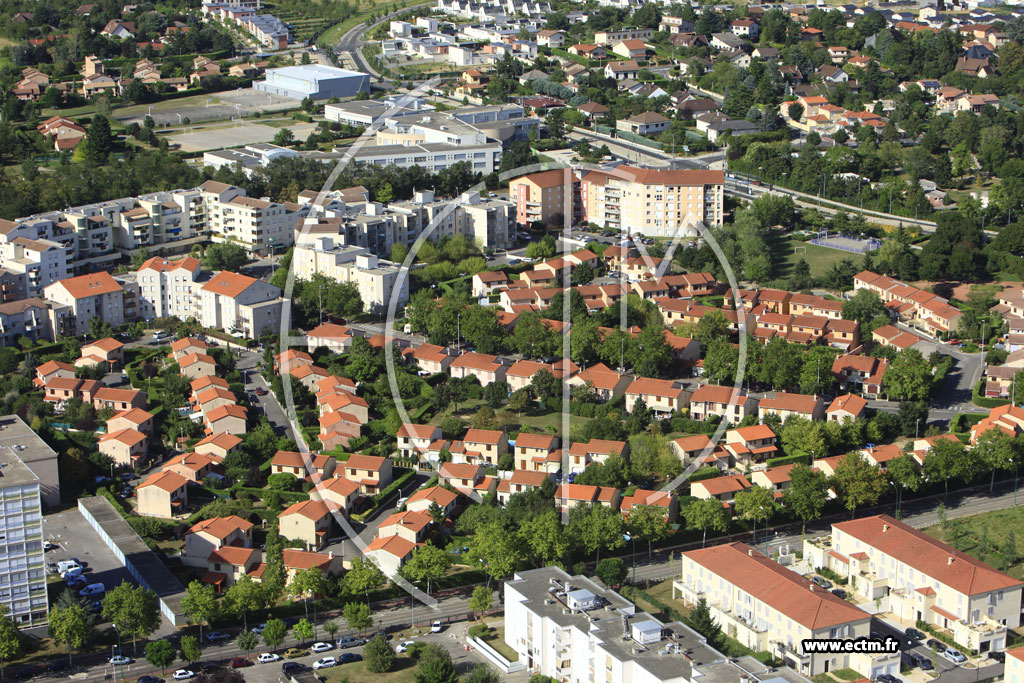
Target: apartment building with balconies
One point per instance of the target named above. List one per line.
(239, 305)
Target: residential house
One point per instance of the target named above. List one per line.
(663, 396)
(371, 472)
(722, 488)
(785, 404)
(725, 402)
(308, 521)
(162, 494)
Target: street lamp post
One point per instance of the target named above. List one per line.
(628, 537)
(120, 653)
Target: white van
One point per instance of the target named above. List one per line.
(72, 572)
(65, 565)
(93, 589)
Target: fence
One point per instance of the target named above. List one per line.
(639, 139)
(495, 657)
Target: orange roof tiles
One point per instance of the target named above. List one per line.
(228, 284)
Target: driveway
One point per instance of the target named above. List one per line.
(249, 364)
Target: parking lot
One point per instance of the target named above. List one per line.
(76, 538)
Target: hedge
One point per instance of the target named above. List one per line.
(290, 496)
(704, 473)
(979, 400)
(393, 486)
(800, 459)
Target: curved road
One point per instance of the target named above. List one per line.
(352, 42)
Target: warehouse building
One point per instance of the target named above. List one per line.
(315, 81)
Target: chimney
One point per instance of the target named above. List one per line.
(949, 560)
(330, 555)
(812, 587)
(750, 552)
(885, 527)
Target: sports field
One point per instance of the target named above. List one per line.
(820, 259)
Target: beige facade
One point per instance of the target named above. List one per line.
(162, 494)
(308, 521)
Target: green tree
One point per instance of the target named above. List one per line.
(247, 640)
(596, 528)
(428, 563)
(706, 514)
(274, 632)
(807, 493)
(904, 474)
(611, 570)
(101, 140)
(946, 460)
(199, 604)
(703, 623)
(363, 577)
(857, 482)
(303, 630)
(711, 326)
(245, 596)
(908, 377)
(70, 625)
(756, 504)
(435, 666)
(497, 547)
(161, 654)
(134, 609)
(190, 651)
(481, 673)
(480, 601)
(545, 538)
(11, 645)
(379, 655)
(648, 523)
(994, 450)
(358, 616)
(230, 257)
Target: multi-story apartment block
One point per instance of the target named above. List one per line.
(572, 628)
(770, 608)
(549, 197)
(23, 573)
(34, 265)
(83, 298)
(375, 279)
(919, 578)
(259, 226)
(167, 288)
(652, 202)
(239, 304)
(29, 318)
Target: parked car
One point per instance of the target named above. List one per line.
(58, 665)
(47, 545)
(821, 581)
(997, 655)
(321, 647)
(324, 663)
(887, 678)
(921, 661)
(93, 589)
(215, 636)
(293, 667)
(436, 627)
(120, 659)
(914, 634)
(183, 674)
(346, 642)
(295, 652)
(404, 646)
(839, 593)
(150, 679)
(259, 391)
(258, 629)
(268, 657)
(239, 663)
(208, 667)
(936, 645)
(954, 656)
(350, 657)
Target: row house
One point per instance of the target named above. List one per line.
(537, 453)
(308, 522)
(846, 407)
(414, 439)
(520, 481)
(162, 494)
(213, 534)
(725, 402)
(752, 444)
(311, 467)
(195, 467)
(662, 396)
(666, 500)
(785, 405)
(423, 499)
(582, 455)
(860, 374)
(722, 488)
(604, 382)
(485, 367)
(568, 496)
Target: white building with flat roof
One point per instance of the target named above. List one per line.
(375, 278)
(316, 81)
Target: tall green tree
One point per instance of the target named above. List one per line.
(648, 523)
(363, 577)
(274, 632)
(70, 625)
(908, 377)
(245, 596)
(807, 493)
(379, 655)
(857, 482)
(134, 609)
(703, 623)
(161, 654)
(428, 563)
(480, 601)
(358, 616)
(190, 651)
(435, 666)
(756, 504)
(247, 640)
(704, 515)
(905, 476)
(199, 604)
(11, 645)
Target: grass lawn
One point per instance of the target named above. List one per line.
(402, 672)
(332, 35)
(496, 639)
(985, 536)
(819, 258)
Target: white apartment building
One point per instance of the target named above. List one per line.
(239, 305)
(23, 571)
(30, 318)
(375, 279)
(167, 288)
(768, 607)
(919, 578)
(96, 295)
(259, 226)
(571, 628)
(35, 264)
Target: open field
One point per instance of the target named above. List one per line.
(988, 537)
(234, 135)
(819, 258)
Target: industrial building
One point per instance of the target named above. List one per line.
(315, 81)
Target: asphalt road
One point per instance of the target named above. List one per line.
(351, 43)
(249, 364)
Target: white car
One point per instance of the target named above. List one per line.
(954, 656)
(120, 659)
(436, 627)
(258, 629)
(183, 674)
(325, 663)
(268, 657)
(404, 646)
(321, 647)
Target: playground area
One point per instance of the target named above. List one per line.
(213, 107)
(844, 243)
